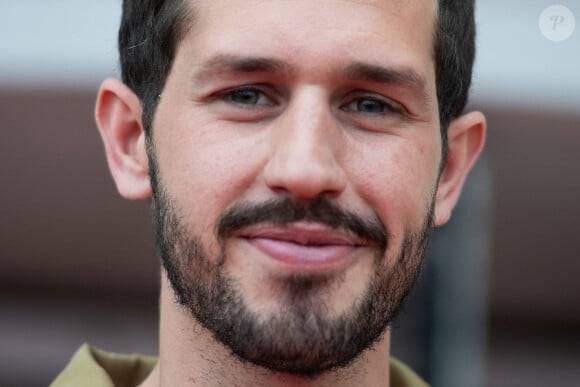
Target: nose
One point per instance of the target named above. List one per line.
(306, 150)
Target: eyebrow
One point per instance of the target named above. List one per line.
(356, 71)
(224, 63)
(406, 77)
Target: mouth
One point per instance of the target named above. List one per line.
(303, 247)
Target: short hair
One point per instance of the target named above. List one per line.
(151, 30)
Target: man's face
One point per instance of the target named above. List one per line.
(295, 157)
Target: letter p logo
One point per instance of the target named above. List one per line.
(557, 20)
(557, 23)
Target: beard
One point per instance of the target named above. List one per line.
(304, 337)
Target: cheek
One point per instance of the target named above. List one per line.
(396, 178)
(203, 165)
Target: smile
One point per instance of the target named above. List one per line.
(304, 246)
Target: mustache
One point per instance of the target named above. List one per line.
(286, 211)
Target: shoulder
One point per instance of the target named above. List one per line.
(403, 376)
(90, 367)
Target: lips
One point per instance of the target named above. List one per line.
(303, 246)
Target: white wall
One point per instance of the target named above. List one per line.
(69, 43)
(517, 66)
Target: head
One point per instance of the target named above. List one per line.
(297, 155)
(151, 31)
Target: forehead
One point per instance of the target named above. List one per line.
(316, 33)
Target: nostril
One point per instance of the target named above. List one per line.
(305, 182)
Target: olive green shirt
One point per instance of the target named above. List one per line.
(91, 367)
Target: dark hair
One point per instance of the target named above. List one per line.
(454, 55)
(148, 37)
(151, 30)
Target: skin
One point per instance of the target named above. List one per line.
(293, 128)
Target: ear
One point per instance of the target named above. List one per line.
(465, 136)
(118, 117)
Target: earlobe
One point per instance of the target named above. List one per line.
(466, 137)
(118, 116)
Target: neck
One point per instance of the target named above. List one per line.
(190, 356)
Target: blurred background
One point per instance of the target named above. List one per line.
(499, 300)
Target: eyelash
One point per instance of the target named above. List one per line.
(387, 106)
(227, 96)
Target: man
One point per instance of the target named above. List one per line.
(297, 154)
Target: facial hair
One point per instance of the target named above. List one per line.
(303, 338)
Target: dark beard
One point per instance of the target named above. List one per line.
(302, 339)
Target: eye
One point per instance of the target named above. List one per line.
(247, 97)
(370, 106)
